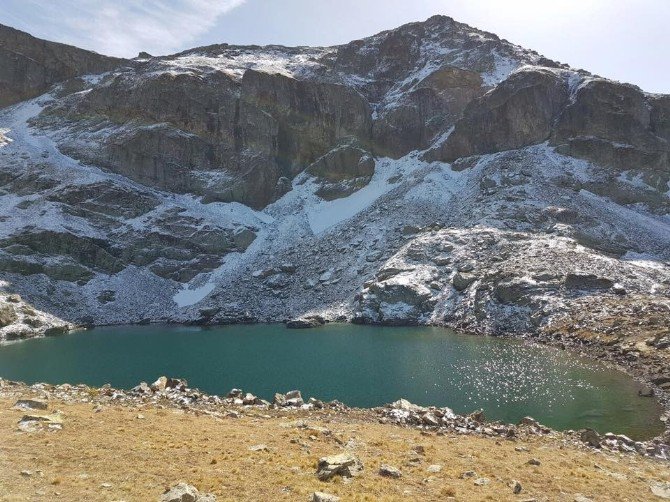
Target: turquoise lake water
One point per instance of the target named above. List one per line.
(358, 365)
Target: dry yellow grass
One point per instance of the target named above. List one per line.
(116, 455)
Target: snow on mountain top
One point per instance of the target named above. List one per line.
(234, 61)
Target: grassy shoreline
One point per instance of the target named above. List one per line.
(112, 448)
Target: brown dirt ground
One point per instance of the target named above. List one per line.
(133, 454)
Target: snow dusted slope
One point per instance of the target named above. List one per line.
(429, 174)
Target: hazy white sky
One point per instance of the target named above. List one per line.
(627, 40)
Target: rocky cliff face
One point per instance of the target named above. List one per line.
(29, 66)
(429, 174)
(611, 124)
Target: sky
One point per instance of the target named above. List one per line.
(627, 40)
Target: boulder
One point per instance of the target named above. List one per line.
(515, 292)
(292, 398)
(660, 489)
(160, 384)
(33, 423)
(462, 280)
(31, 404)
(388, 471)
(57, 330)
(313, 321)
(343, 464)
(142, 389)
(529, 421)
(184, 492)
(324, 497)
(345, 162)
(7, 315)
(405, 405)
(587, 282)
(646, 391)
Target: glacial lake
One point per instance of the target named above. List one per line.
(358, 365)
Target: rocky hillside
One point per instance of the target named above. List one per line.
(429, 174)
(29, 66)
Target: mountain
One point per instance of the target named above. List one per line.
(431, 174)
(29, 66)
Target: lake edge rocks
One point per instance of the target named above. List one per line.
(176, 393)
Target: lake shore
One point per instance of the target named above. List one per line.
(363, 366)
(622, 341)
(108, 444)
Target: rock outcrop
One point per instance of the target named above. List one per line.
(618, 126)
(19, 320)
(519, 112)
(228, 139)
(612, 124)
(30, 66)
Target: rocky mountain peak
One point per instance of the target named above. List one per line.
(433, 173)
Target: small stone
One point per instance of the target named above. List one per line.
(26, 473)
(160, 384)
(434, 468)
(344, 464)
(389, 471)
(31, 423)
(142, 388)
(515, 486)
(324, 497)
(528, 421)
(581, 498)
(462, 280)
(591, 438)
(31, 404)
(259, 447)
(533, 461)
(482, 481)
(466, 267)
(646, 391)
(430, 420)
(106, 485)
(313, 321)
(661, 490)
(468, 474)
(184, 492)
